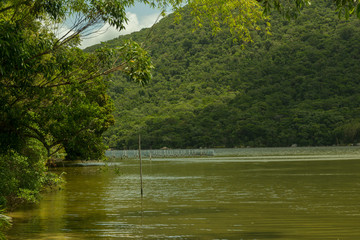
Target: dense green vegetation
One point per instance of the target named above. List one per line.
(5, 223)
(300, 85)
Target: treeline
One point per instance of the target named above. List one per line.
(300, 85)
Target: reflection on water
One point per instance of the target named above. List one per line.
(218, 198)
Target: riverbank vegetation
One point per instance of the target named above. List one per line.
(299, 85)
(5, 223)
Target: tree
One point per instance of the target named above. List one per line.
(53, 95)
(50, 90)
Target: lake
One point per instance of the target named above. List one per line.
(267, 193)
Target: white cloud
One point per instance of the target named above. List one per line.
(107, 32)
(149, 20)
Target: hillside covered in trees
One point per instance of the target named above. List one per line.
(299, 85)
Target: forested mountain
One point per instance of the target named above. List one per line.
(299, 85)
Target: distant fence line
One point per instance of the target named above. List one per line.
(159, 153)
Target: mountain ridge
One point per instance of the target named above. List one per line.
(299, 86)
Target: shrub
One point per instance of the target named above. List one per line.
(5, 223)
(22, 174)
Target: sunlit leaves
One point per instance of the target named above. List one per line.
(288, 8)
(347, 8)
(291, 8)
(138, 62)
(240, 16)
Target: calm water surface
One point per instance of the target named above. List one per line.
(282, 194)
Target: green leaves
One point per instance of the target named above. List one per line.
(138, 62)
(292, 8)
(5, 223)
(21, 176)
(240, 16)
(129, 58)
(52, 91)
(348, 8)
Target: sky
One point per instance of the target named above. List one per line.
(140, 16)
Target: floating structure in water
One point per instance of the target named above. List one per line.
(160, 153)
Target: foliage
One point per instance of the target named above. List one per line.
(56, 94)
(5, 223)
(21, 176)
(298, 86)
(291, 8)
(241, 16)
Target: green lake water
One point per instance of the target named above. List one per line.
(294, 193)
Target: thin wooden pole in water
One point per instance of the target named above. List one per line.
(150, 153)
(141, 180)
